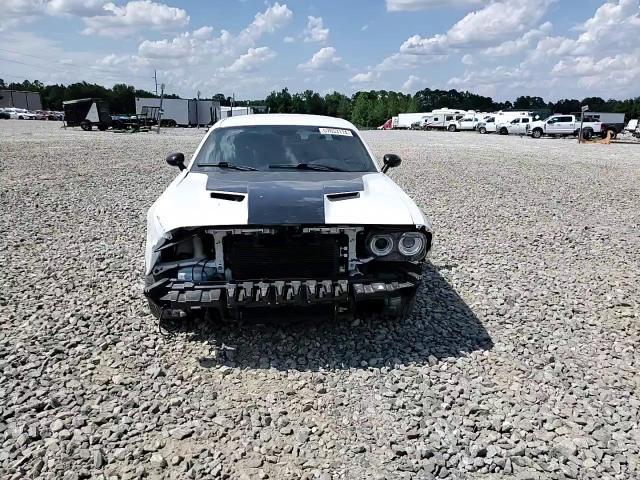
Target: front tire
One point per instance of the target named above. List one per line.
(504, 131)
(86, 126)
(482, 130)
(537, 133)
(451, 128)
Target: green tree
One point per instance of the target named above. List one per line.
(361, 114)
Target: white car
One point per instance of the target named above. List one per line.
(20, 114)
(516, 126)
(469, 122)
(283, 211)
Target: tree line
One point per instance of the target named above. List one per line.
(365, 108)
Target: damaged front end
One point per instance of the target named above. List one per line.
(230, 273)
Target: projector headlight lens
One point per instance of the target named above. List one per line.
(381, 245)
(411, 244)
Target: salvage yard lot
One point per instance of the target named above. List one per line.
(521, 359)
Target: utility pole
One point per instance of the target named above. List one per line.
(584, 109)
(155, 77)
(198, 111)
(160, 109)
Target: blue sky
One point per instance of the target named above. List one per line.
(501, 48)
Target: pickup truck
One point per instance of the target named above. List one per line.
(515, 126)
(563, 125)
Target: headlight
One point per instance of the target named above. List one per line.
(411, 244)
(381, 245)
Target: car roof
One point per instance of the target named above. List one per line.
(285, 119)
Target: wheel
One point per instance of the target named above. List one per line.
(428, 129)
(451, 128)
(504, 131)
(587, 134)
(537, 133)
(20, 117)
(102, 127)
(482, 130)
(86, 126)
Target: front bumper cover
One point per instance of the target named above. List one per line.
(188, 296)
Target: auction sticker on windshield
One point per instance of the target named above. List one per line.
(336, 131)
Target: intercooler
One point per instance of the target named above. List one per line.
(304, 256)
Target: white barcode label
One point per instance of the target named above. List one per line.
(336, 131)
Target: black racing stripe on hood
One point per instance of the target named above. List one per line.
(286, 198)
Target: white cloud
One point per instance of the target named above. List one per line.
(133, 16)
(200, 45)
(368, 77)
(405, 61)
(467, 59)
(250, 60)
(412, 5)
(495, 22)
(324, 59)
(288, 39)
(412, 83)
(272, 19)
(315, 31)
(15, 12)
(80, 8)
(511, 47)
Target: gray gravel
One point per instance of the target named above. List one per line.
(521, 360)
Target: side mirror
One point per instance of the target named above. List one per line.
(390, 160)
(176, 160)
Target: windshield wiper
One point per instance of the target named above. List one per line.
(307, 166)
(228, 165)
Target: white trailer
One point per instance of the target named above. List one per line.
(180, 111)
(405, 120)
(444, 119)
(207, 111)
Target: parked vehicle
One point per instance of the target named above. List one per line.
(444, 119)
(611, 122)
(405, 120)
(562, 125)
(386, 125)
(517, 126)
(20, 114)
(491, 122)
(631, 126)
(284, 211)
(180, 111)
(87, 113)
(470, 121)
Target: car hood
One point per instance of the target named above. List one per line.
(230, 198)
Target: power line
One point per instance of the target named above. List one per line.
(67, 66)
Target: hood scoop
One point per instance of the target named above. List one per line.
(335, 197)
(229, 197)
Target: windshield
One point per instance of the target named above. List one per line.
(266, 147)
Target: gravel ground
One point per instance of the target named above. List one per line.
(520, 361)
